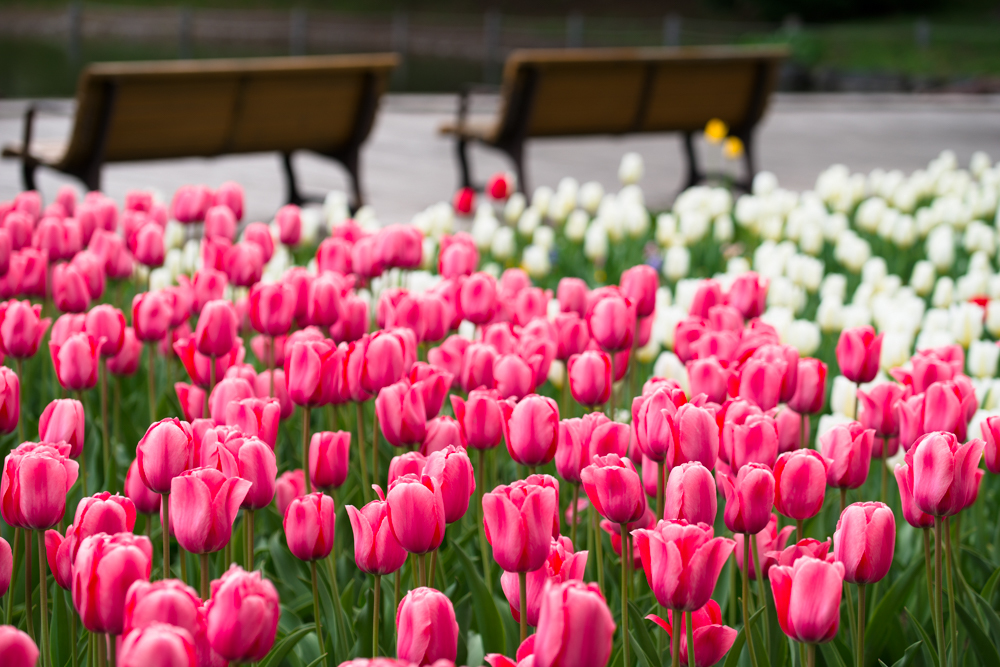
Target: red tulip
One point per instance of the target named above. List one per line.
(103, 570)
(800, 483)
(452, 470)
(144, 500)
(16, 647)
(480, 417)
(63, 421)
(848, 449)
(518, 520)
(426, 629)
(21, 328)
(611, 318)
(289, 222)
(690, 494)
(858, 353)
(416, 513)
(164, 452)
(712, 639)
(159, 643)
(10, 400)
(942, 473)
(329, 454)
(376, 549)
(682, 562)
(807, 597)
(242, 615)
(531, 429)
(575, 627)
(203, 506)
(36, 480)
(561, 565)
(309, 526)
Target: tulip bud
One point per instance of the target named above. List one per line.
(242, 615)
(807, 597)
(452, 470)
(575, 627)
(800, 483)
(848, 448)
(76, 362)
(309, 526)
(531, 429)
(858, 352)
(614, 488)
(518, 520)
(203, 506)
(561, 565)
(329, 454)
(864, 542)
(158, 643)
(10, 400)
(104, 569)
(16, 648)
(426, 627)
(36, 479)
(288, 487)
(416, 513)
(942, 473)
(690, 494)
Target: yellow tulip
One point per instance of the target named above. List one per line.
(732, 148)
(715, 131)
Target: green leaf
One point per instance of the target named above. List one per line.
(991, 615)
(981, 643)
(286, 644)
(488, 619)
(991, 586)
(878, 627)
(643, 644)
(929, 646)
(907, 658)
(318, 661)
(733, 658)
(831, 655)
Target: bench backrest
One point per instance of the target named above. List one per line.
(549, 92)
(154, 110)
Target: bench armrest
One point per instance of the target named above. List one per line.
(466, 91)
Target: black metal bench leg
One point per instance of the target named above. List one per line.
(350, 161)
(462, 149)
(694, 175)
(294, 197)
(749, 163)
(516, 153)
(28, 167)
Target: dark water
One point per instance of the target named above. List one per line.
(49, 68)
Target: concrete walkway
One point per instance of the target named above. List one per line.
(407, 166)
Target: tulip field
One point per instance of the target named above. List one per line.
(557, 430)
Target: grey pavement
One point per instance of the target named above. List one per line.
(407, 165)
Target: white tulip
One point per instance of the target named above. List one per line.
(529, 221)
(557, 374)
(429, 256)
(677, 262)
(535, 260)
(983, 357)
(843, 397)
(923, 277)
(544, 237)
(335, 208)
(561, 205)
(980, 237)
(568, 186)
(855, 315)
(590, 196)
(694, 226)
(830, 314)
(737, 265)
(311, 221)
(811, 238)
(967, 322)
(666, 229)
(648, 352)
(160, 279)
(834, 285)
(670, 367)
(941, 247)
(467, 330)
(834, 225)
(826, 424)
(896, 346)
(944, 292)
(747, 211)
(874, 271)
(173, 235)
(993, 317)
(764, 183)
(631, 195)
(971, 285)
(904, 231)
(636, 220)
(514, 207)
(631, 168)
(483, 229)
(576, 225)
(805, 337)
(595, 242)
(928, 340)
(781, 319)
(979, 163)
(870, 213)
(542, 197)
(192, 256)
(503, 244)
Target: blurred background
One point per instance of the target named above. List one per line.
(838, 45)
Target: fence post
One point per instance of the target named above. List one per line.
(75, 31)
(185, 28)
(574, 30)
(297, 32)
(672, 30)
(492, 21)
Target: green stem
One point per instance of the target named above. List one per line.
(484, 552)
(938, 593)
(861, 625)
(332, 565)
(182, 560)
(675, 639)
(929, 573)
(10, 593)
(20, 416)
(733, 595)
(83, 456)
(375, 475)
(43, 588)
(810, 655)
(151, 382)
(600, 548)
(365, 484)
(660, 468)
(112, 650)
(843, 499)
(951, 591)
(800, 529)
(305, 448)
(430, 573)
(165, 504)
(395, 602)
(375, 615)
(205, 588)
(29, 615)
(803, 426)
(851, 623)
(422, 565)
(109, 471)
(746, 609)
(74, 661)
(319, 624)
(522, 582)
(763, 593)
(690, 638)
(249, 530)
(624, 534)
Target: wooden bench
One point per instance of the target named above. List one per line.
(580, 92)
(206, 108)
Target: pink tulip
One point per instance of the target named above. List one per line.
(754, 441)
(387, 358)
(353, 321)
(513, 377)
(75, 361)
(91, 267)
(572, 335)
(477, 367)
(289, 222)
(690, 494)
(376, 549)
(518, 521)
(6, 565)
(800, 483)
(770, 541)
(256, 417)
(708, 376)
(789, 425)
(653, 430)
(325, 293)
(416, 513)
(329, 453)
(442, 432)
(399, 246)
(190, 203)
(991, 438)
(457, 255)
(203, 506)
(227, 392)
(848, 449)
(478, 298)
(865, 541)
(191, 399)
(614, 488)
(877, 408)
(749, 498)
(334, 254)
(639, 285)
(309, 526)
(144, 500)
(708, 295)
(572, 296)
(69, 289)
(21, 328)
(432, 384)
(760, 382)
(36, 480)
(288, 487)
(310, 370)
(159, 643)
(147, 244)
(913, 514)
(63, 421)
(164, 452)
(531, 429)
(10, 400)
(942, 473)
(103, 570)
(858, 353)
(216, 333)
(34, 279)
(807, 597)
(614, 532)
(426, 629)
(16, 648)
(242, 615)
(452, 470)
(272, 308)
(530, 303)
(100, 513)
(480, 417)
(712, 639)
(581, 439)
(589, 376)
(575, 627)
(682, 562)
(220, 221)
(748, 294)
(561, 565)
(611, 318)
(810, 387)
(126, 362)
(238, 456)
(401, 414)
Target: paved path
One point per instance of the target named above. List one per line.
(407, 165)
